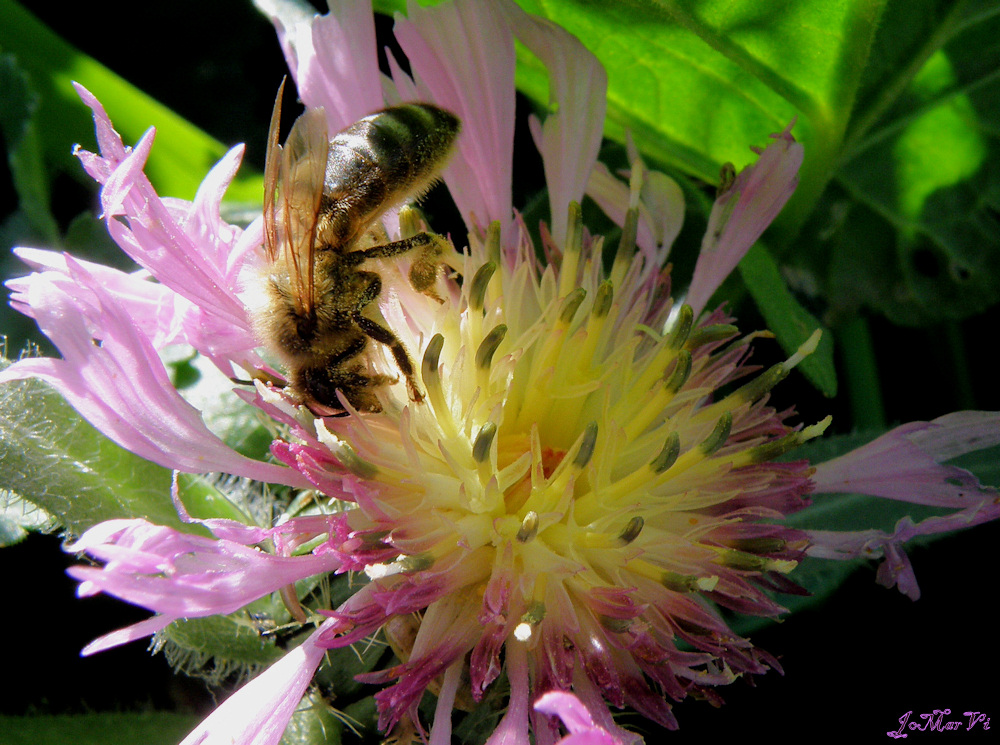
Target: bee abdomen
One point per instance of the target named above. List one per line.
(381, 160)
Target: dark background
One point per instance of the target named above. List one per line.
(853, 667)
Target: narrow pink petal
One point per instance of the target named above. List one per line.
(572, 130)
(742, 212)
(612, 196)
(874, 544)
(568, 708)
(441, 728)
(905, 463)
(155, 309)
(576, 718)
(108, 140)
(462, 57)
(128, 634)
(186, 246)
(180, 575)
(113, 377)
(513, 728)
(259, 712)
(333, 58)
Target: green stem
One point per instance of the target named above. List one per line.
(861, 373)
(959, 363)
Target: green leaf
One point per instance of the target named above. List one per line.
(18, 517)
(791, 323)
(18, 105)
(314, 722)
(698, 82)
(183, 153)
(921, 240)
(56, 460)
(216, 647)
(149, 728)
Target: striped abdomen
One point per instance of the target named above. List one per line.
(380, 161)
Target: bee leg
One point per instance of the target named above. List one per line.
(320, 382)
(378, 332)
(384, 336)
(424, 271)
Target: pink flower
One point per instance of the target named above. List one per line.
(577, 720)
(179, 575)
(573, 499)
(905, 464)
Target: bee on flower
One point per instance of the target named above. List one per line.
(550, 475)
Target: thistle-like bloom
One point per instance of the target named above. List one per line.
(590, 474)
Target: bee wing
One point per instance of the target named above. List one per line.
(293, 189)
(272, 167)
(303, 172)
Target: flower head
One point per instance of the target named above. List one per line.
(589, 474)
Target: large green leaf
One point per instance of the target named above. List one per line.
(54, 459)
(698, 82)
(921, 239)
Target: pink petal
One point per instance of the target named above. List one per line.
(113, 377)
(905, 463)
(259, 712)
(742, 212)
(180, 575)
(462, 57)
(127, 634)
(513, 728)
(571, 134)
(333, 58)
(186, 246)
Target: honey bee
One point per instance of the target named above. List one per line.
(322, 238)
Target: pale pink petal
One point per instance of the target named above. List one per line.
(182, 575)
(259, 712)
(664, 202)
(876, 544)
(186, 246)
(905, 463)
(441, 728)
(575, 717)
(462, 57)
(571, 134)
(150, 304)
(112, 376)
(513, 728)
(661, 208)
(333, 58)
(128, 634)
(742, 212)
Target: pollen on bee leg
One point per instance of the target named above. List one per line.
(427, 265)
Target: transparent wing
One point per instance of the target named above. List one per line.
(293, 190)
(272, 166)
(303, 171)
